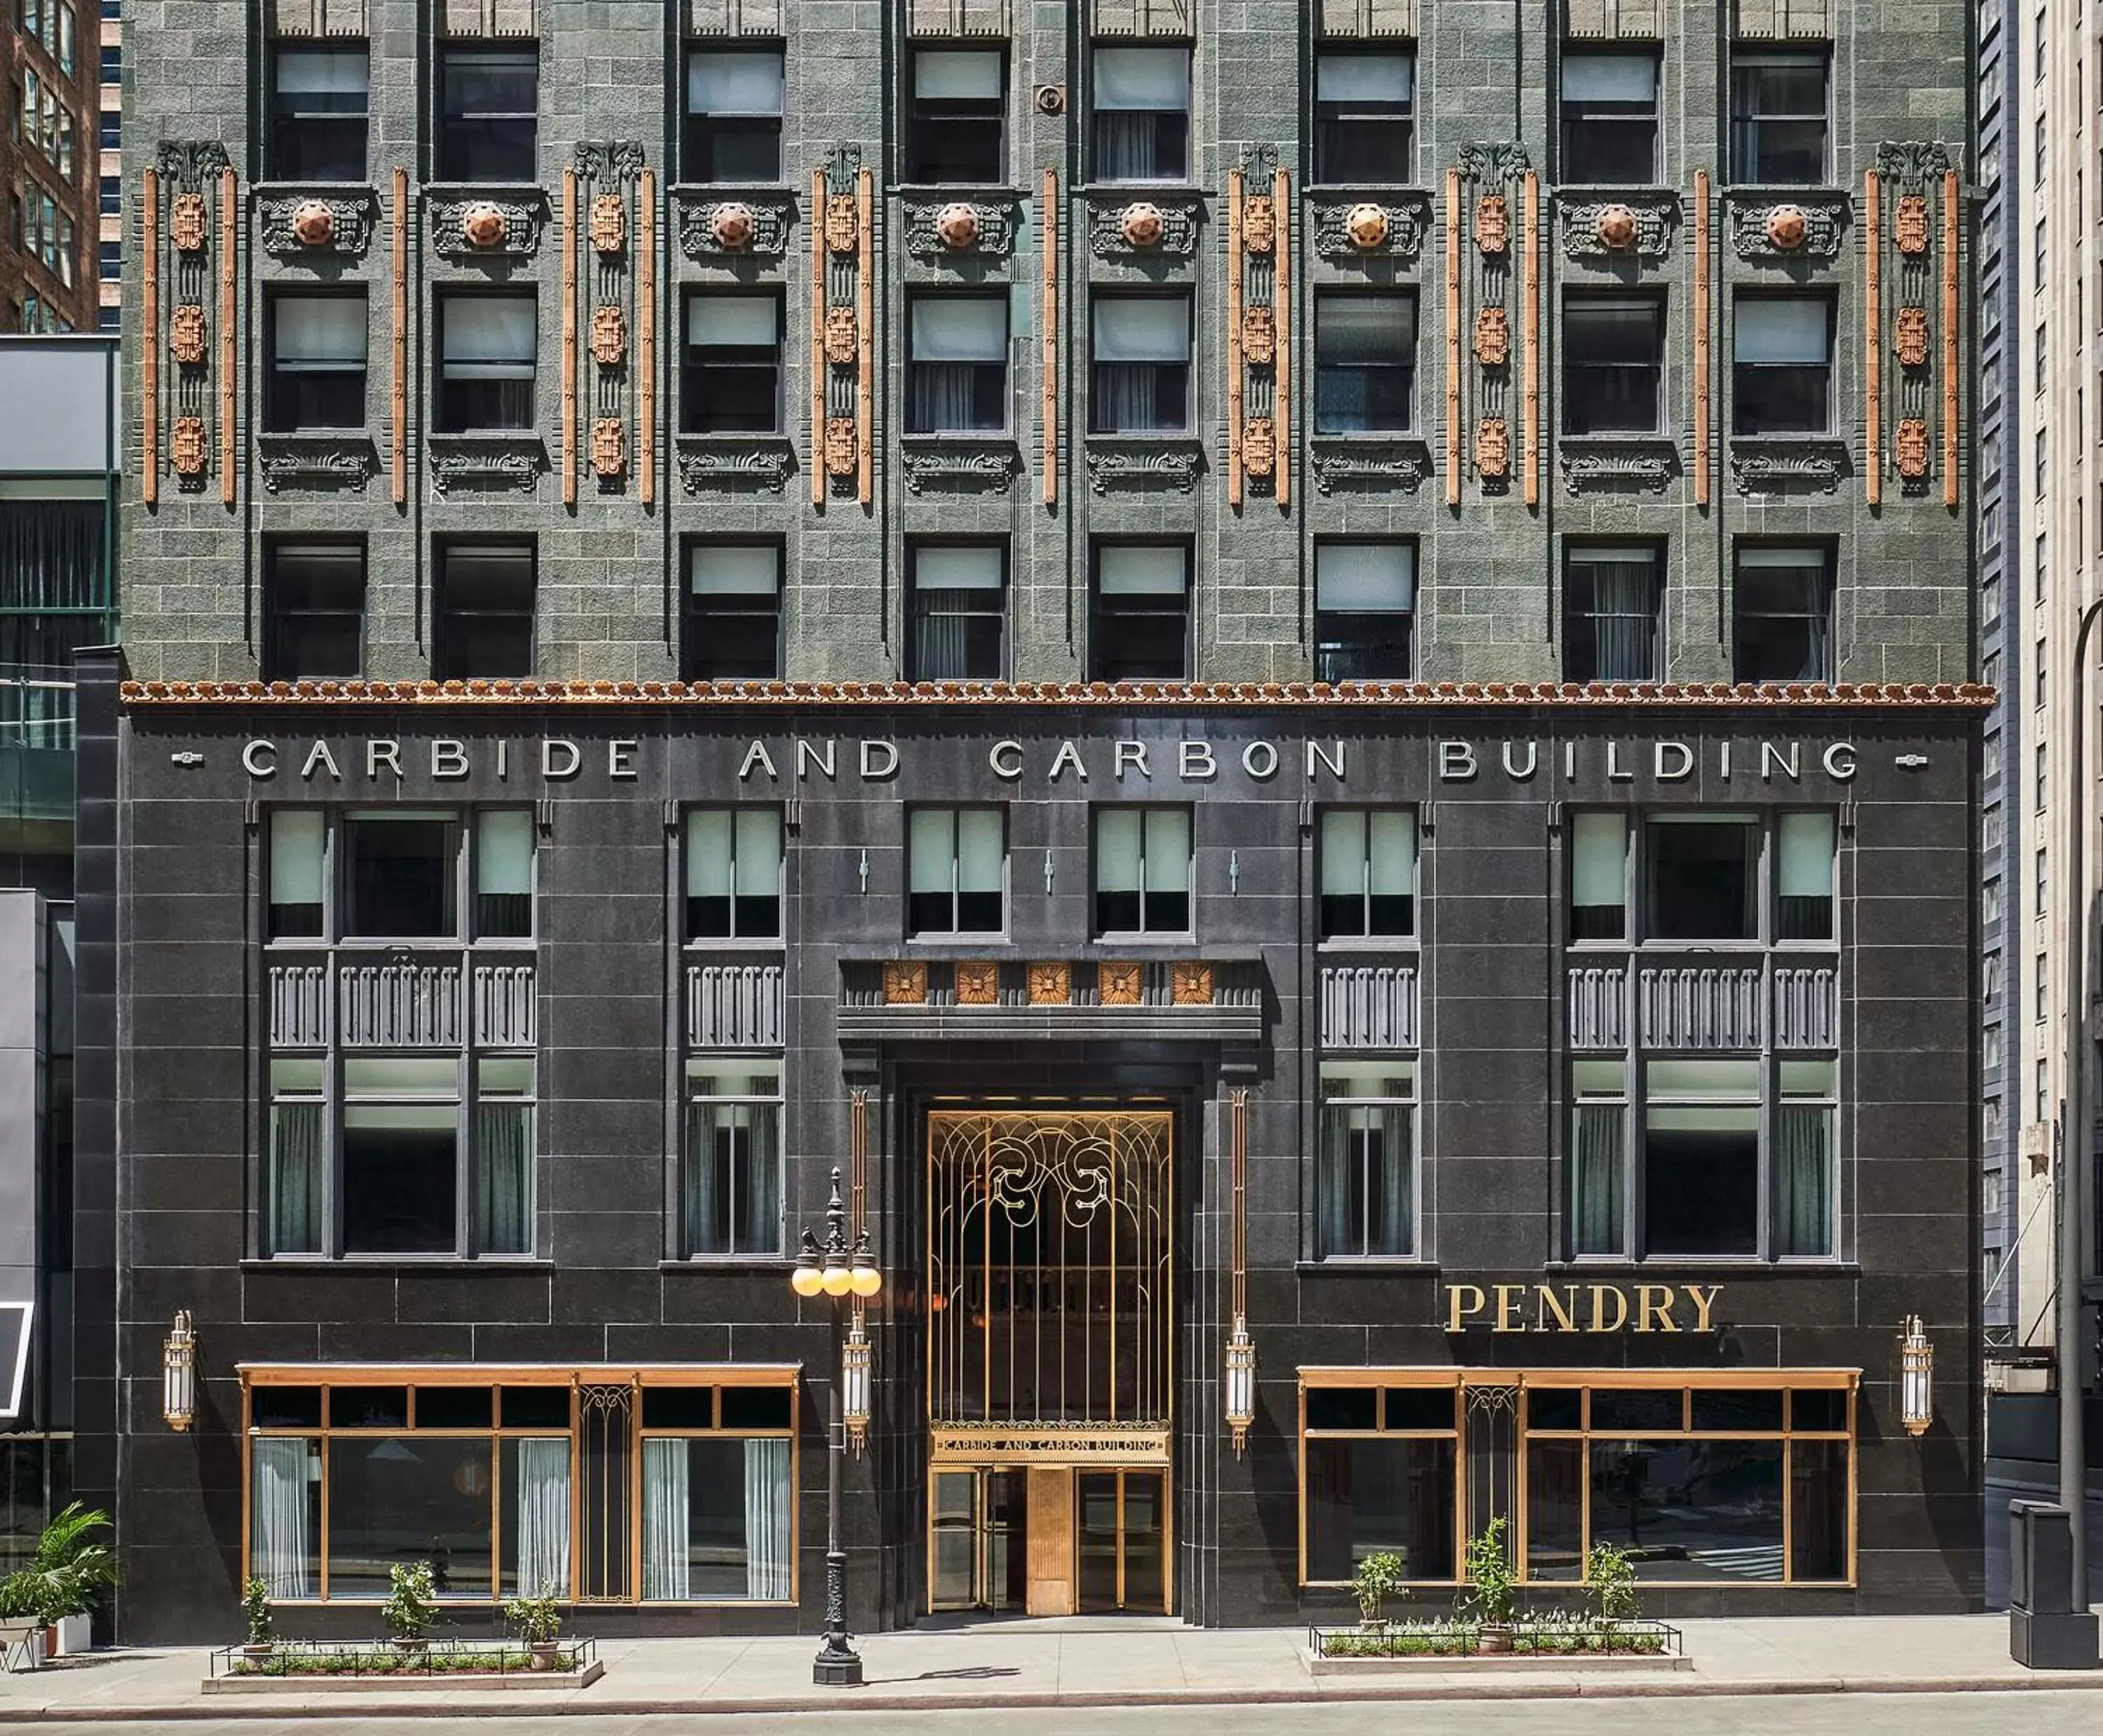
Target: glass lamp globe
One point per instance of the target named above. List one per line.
(807, 1280)
(837, 1280)
(867, 1280)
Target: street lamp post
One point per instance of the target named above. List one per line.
(847, 1275)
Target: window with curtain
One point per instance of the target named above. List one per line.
(1141, 99)
(504, 873)
(315, 370)
(1701, 1158)
(730, 1181)
(1779, 102)
(1365, 1167)
(1609, 105)
(488, 113)
(1613, 363)
(1368, 872)
(733, 123)
(1365, 601)
(1782, 612)
(1599, 877)
(1139, 629)
(954, 126)
(484, 609)
(1804, 862)
(733, 873)
(1143, 870)
(316, 126)
(956, 364)
(959, 605)
(956, 870)
(53, 597)
(1703, 874)
(1599, 1157)
(1611, 600)
(487, 347)
(503, 1177)
(297, 1173)
(717, 1517)
(1365, 362)
(285, 1517)
(1379, 1476)
(731, 380)
(731, 611)
(1781, 372)
(313, 610)
(297, 879)
(400, 1154)
(1365, 117)
(1140, 364)
(534, 1532)
(1805, 1180)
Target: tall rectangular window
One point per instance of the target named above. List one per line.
(1599, 876)
(500, 1208)
(1365, 601)
(1368, 873)
(1781, 376)
(1143, 870)
(315, 364)
(1365, 117)
(1365, 363)
(401, 1154)
(1140, 376)
(956, 870)
(1612, 600)
(954, 133)
(959, 611)
(1701, 1158)
(313, 610)
(1140, 627)
(1613, 364)
(1609, 118)
(1779, 103)
(1804, 865)
(316, 127)
(504, 873)
(1703, 875)
(1365, 1166)
(488, 113)
(1804, 1177)
(735, 870)
(1782, 612)
(734, 102)
(730, 1183)
(732, 626)
(1141, 102)
(295, 1172)
(1599, 1154)
(956, 364)
(487, 345)
(298, 874)
(732, 381)
(484, 611)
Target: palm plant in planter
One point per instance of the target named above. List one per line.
(538, 1621)
(256, 1612)
(411, 1607)
(1494, 1602)
(68, 1572)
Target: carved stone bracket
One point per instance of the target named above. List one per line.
(1761, 228)
(477, 461)
(317, 226)
(935, 228)
(1371, 464)
(1117, 229)
(1787, 466)
(502, 223)
(1148, 463)
(1348, 229)
(1638, 466)
(345, 462)
(1640, 227)
(722, 463)
(754, 224)
(988, 466)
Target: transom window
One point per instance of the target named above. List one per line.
(1365, 598)
(1609, 116)
(735, 869)
(317, 125)
(734, 102)
(1142, 99)
(1368, 873)
(957, 364)
(1365, 117)
(1143, 870)
(732, 612)
(955, 128)
(956, 870)
(730, 1182)
(1366, 1164)
(488, 113)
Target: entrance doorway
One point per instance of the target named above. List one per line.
(1049, 1540)
(1122, 1542)
(980, 1548)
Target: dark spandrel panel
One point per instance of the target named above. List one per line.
(536, 1407)
(1821, 1410)
(1420, 1407)
(679, 1407)
(285, 1407)
(1617, 1412)
(455, 1406)
(755, 1407)
(1342, 1408)
(1555, 1407)
(1726, 1411)
(368, 1407)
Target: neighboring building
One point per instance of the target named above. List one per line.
(1262, 691)
(47, 158)
(110, 120)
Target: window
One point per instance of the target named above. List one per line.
(1783, 603)
(1781, 381)
(1365, 117)
(313, 605)
(1140, 629)
(733, 115)
(317, 125)
(735, 869)
(1700, 1158)
(484, 611)
(1609, 118)
(732, 380)
(1599, 1151)
(1365, 1168)
(1804, 861)
(959, 611)
(401, 875)
(1612, 364)
(296, 907)
(716, 1509)
(956, 365)
(1139, 382)
(400, 1154)
(504, 873)
(489, 100)
(733, 611)
(1990, 902)
(730, 1186)
(1599, 877)
(1381, 1477)
(1365, 598)
(1368, 873)
(1611, 598)
(109, 201)
(1704, 876)
(954, 134)
(317, 363)
(2041, 1008)
(1142, 114)
(1365, 363)
(487, 346)
(957, 861)
(1143, 870)
(1778, 100)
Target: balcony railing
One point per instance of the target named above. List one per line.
(1704, 1001)
(402, 999)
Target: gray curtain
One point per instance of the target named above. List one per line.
(295, 1178)
(1596, 1179)
(731, 1192)
(942, 617)
(942, 396)
(1124, 143)
(1124, 394)
(1364, 1202)
(503, 1182)
(767, 1520)
(1625, 619)
(1805, 1177)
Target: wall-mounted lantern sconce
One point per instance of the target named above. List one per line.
(1241, 1384)
(178, 1375)
(854, 1384)
(1916, 1377)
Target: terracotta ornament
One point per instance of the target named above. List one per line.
(904, 982)
(1910, 337)
(609, 446)
(1142, 226)
(186, 224)
(1260, 336)
(186, 334)
(1259, 224)
(482, 225)
(609, 223)
(313, 223)
(731, 227)
(841, 336)
(957, 226)
(1616, 227)
(1909, 225)
(1492, 223)
(1366, 226)
(1787, 226)
(1259, 446)
(1190, 984)
(843, 223)
(1492, 337)
(1118, 984)
(841, 445)
(978, 983)
(1909, 448)
(1493, 448)
(609, 336)
(1049, 985)
(186, 446)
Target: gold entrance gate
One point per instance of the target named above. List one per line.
(1051, 1255)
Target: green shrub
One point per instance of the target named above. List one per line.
(537, 1619)
(1378, 1578)
(411, 1609)
(1613, 1582)
(255, 1609)
(1495, 1598)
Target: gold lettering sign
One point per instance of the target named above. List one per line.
(1507, 1308)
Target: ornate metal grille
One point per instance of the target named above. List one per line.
(1050, 1259)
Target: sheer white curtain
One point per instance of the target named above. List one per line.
(1136, 337)
(665, 1529)
(766, 1527)
(543, 1517)
(281, 1518)
(1135, 89)
(955, 339)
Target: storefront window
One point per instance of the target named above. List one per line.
(1380, 1477)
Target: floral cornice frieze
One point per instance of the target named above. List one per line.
(1612, 466)
(496, 223)
(1787, 466)
(988, 466)
(1126, 465)
(319, 462)
(1401, 464)
(498, 462)
(721, 462)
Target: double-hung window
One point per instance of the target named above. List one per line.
(488, 113)
(735, 869)
(733, 130)
(1702, 876)
(484, 611)
(316, 124)
(1368, 873)
(1609, 118)
(1599, 876)
(1365, 362)
(731, 383)
(487, 346)
(316, 372)
(1781, 376)
(956, 868)
(1613, 363)
(959, 611)
(1779, 102)
(1140, 379)
(1702, 1157)
(732, 625)
(1782, 610)
(1365, 1192)
(1365, 117)
(504, 873)
(1612, 598)
(1141, 100)
(1140, 627)
(730, 1181)
(313, 609)
(956, 365)
(1143, 870)
(1365, 600)
(954, 130)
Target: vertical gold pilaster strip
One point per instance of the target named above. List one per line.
(816, 219)
(229, 219)
(1049, 354)
(1234, 339)
(399, 338)
(1532, 450)
(1701, 337)
(1281, 302)
(646, 337)
(1452, 337)
(857, 1168)
(1949, 387)
(1872, 373)
(569, 338)
(865, 332)
(150, 337)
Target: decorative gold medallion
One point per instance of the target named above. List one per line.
(1492, 223)
(1260, 336)
(1142, 225)
(841, 336)
(1493, 448)
(1910, 336)
(609, 336)
(313, 223)
(1910, 224)
(1787, 226)
(1190, 984)
(904, 982)
(843, 223)
(1050, 984)
(978, 983)
(186, 334)
(609, 223)
(957, 226)
(1909, 448)
(1492, 336)
(609, 445)
(1259, 446)
(1259, 223)
(1366, 225)
(840, 446)
(1118, 984)
(1616, 227)
(186, 446)
(186, 223)
(731, 226)
(483, 225)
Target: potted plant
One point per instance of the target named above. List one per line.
(538, 1621)
(1613, 1583)
(70, 1570)
(1494, 1602)
(1378, 1578)
(20, 1625)
(411, 1607)
(255, 1610)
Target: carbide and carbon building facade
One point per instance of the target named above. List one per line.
(1298, 677)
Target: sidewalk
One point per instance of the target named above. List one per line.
(1022, 1664)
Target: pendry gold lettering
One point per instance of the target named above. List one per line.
(1505, 1309)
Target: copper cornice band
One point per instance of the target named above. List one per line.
(865, 325)
(1950, 388)
(1701, 337)
(229, 221)
(1532, 316)
(1048, 355)
(1281, 419)
(150, 337)
(569, 338)
(816, 218)
(1873, 370)
(398, 459)
(1398, 695)
(1234, 339)
(1452, 337)
(646, 337)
